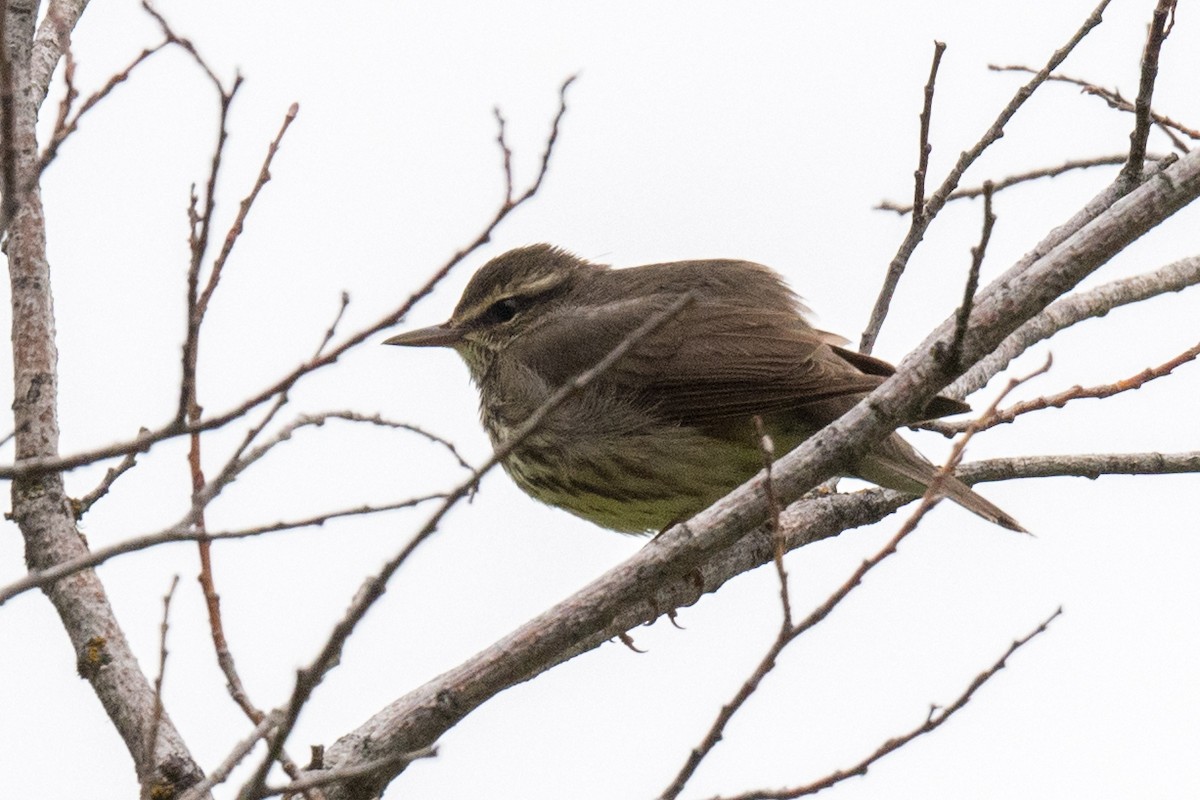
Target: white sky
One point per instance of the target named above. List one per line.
(763, 131)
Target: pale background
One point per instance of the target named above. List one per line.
(763, 131)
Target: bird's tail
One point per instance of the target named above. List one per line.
(896, 464)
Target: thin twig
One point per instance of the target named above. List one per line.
(1115, 100)
(963, 317)
(1132, 171)
(766, 446)
(506, 154)
(925, 147)
(283, 397)
(319, 420)
(185, 532)
(84, 504)
(242, 749)
(156, 718)
(186, 44)
(1077, 392)
(318, 778)
(68, 123)
(239, 221)
(1022, 177)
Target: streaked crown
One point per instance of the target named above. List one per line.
(494, 303)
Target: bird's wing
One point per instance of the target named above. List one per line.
(710, 363)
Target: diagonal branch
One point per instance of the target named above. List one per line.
(1076, 308)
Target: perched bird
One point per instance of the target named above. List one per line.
(669, 428)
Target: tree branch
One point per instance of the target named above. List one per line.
(40, 505)
(1075, 308)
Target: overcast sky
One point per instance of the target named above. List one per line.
(765, 131)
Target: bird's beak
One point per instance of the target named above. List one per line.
(444, 335)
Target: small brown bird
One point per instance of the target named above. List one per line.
(668, 429)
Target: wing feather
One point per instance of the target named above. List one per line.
(743, 347)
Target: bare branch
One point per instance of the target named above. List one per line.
(649, 584)
(506, 153)
(39, 503)
(1114, 100)
(238, 754)
(67, 123)
(954, 352)
(925, 147)
(281, 399)
(1132, 172)
(156, 720)
(1079, 392)
(1022, 177)
(318, 778)
(1076, 308)
(593, 614)
(83, 505)
(239, 222)
(1091, 466)
(186, 44)
(184, 532)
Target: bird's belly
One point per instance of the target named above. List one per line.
(633, 483)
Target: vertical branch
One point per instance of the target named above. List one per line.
(766, 446)
(1131, 173)
(152, 737)
(8, 157)
(190, 410)
(925, 147)
(919, 218)
(40, 506)
(963, 317)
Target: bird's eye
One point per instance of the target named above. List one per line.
(502, 310)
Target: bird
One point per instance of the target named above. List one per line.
(670, 427)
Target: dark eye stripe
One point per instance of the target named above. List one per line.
(503, 310)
